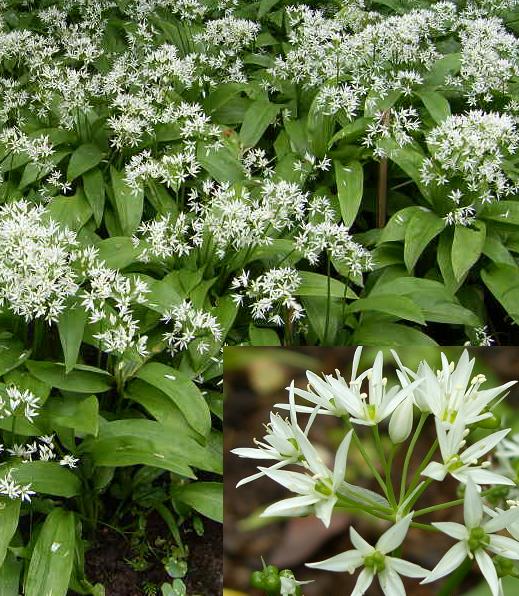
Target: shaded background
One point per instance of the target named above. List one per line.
(255, 379)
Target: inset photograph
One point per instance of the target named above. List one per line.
(365, 471)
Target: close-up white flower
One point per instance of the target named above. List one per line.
(376, 561)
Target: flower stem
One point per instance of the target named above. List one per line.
(366, 457)
(328, 299)
(416, 478)
(409, 453)
(386, 465)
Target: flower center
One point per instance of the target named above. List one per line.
(375, 561)
(371, 410)
(323, 488)
(478, 538)
(454, 463)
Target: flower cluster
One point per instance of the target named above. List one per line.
(458, 405)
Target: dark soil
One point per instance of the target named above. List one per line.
(106, 562)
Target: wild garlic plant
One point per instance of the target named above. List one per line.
(383, 421)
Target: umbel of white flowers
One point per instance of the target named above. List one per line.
(457, 404)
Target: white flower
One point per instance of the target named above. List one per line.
(401, 421)
(465, 464)
(69, 461)
(279, 444)
(317, 492)
(376, 561)
(476, 537)
(336, 397)
(451, 390)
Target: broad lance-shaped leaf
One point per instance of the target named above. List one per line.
(421, 229)
(81, 379)
(258, 118)
(48, 477)
(9, 512)
(350, 186)
(84, 158)
(12, 352)
(71, 326)
(184, 393)
(503, 281)
(127, 202)
(436, 104)
(204, 497)
(140, 441)
(466, 247)
(53, 556)
(94, 187)
(399, 306)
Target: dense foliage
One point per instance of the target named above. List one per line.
(181, 174)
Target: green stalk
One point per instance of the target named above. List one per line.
(366, 458)
(328, 298)
(409, 453)
(384, 462)
(416, 478)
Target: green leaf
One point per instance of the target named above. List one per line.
(94, 188)
(437, 303)
(71, 325)
(378, 333)
(128, 204)
(156, 403)
(9, 512)
(10, 575)
(84, 158)
(448, 64)
(436, 104)
(258, 117)
(316, 284)
(184, 393)
(117, 252)
(319, 128)
(502, 211)
(421, 229)
(12, 352)
(204, 497)
(82, 379)
(78, 413)
(72, 212)
(350, 186)
(139, 441)
(466, 247)
(395, 228)
(396, 305)
(263, 336)
(53, 556)
(444, 259)
(222, 165)
(48, 477)
(503, 281)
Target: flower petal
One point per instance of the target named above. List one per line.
(472, 506)
(452, 529)
(483, 446)
(406, 567)
(435, 470)
(363, 582)
(339, 468)
(488, 570)
(502, 520)
(504, 546)
(394, 537)
(347, 561)
(290, 507)
(359, 543)
(324, 509)
(452, 559)
(391, 583)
